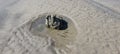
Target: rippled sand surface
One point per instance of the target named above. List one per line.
(93, 27)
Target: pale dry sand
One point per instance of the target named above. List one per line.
(97, 24)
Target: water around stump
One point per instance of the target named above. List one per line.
(64, 34)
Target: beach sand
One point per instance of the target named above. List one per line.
(94, 27)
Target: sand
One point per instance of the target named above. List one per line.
(96, 27)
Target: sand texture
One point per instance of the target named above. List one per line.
(93, 27)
